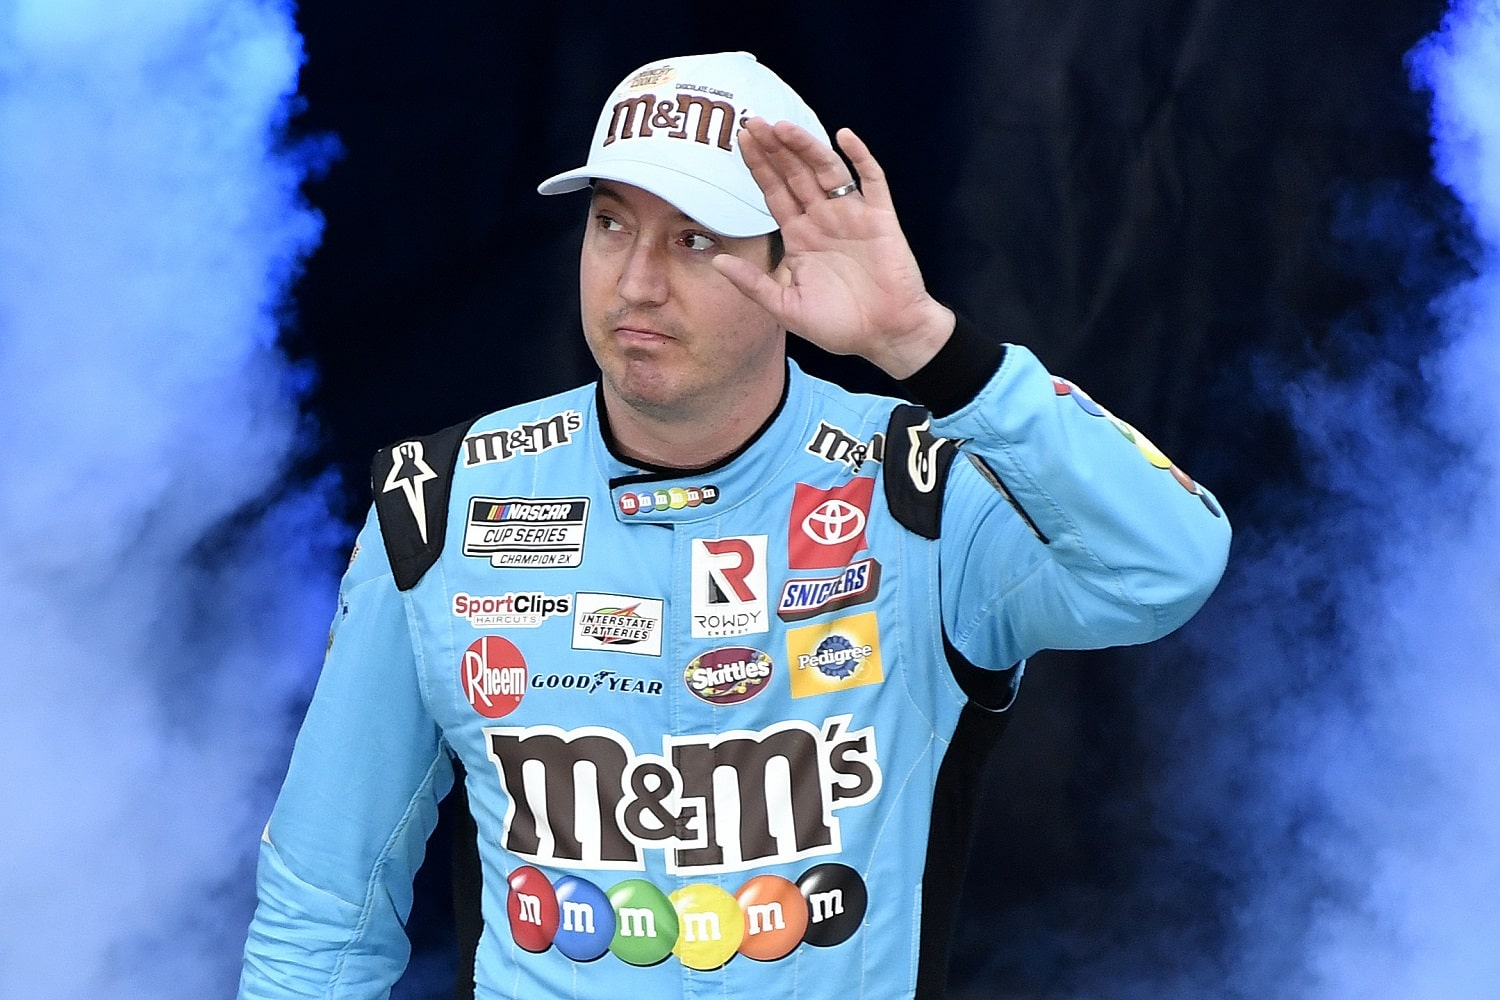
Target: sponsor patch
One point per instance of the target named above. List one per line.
(857, 584)
(708, 803)
(673, 498)
(729, 587)
(691, 116)
(834, 444)
(655, 76)
(618, 623)
(526, 610)
(527, 531)
(505, 443)
(492, 674)
(828, 526)
(834, 656)
(598, 682)
(728, 676)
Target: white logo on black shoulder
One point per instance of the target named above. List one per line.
(921, 459)
(409, 470)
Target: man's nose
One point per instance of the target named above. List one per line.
(644, 276)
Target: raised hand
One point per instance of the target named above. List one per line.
(849, 282)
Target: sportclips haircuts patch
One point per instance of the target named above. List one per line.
(521, 532)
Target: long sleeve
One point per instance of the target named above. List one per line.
(350, 826)
(1064, 528)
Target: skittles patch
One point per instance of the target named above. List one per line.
(834, 656)
(729, 675)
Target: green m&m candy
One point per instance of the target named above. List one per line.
(645, 923)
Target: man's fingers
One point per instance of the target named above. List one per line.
(779, 198)
(872, 182)
(804, 167)
(790, 178)
(811, 168)
(753, 282)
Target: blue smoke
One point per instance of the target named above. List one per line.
(165, 582)
(1332, 792)
(1320, 816)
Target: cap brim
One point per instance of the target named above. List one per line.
(700, 201)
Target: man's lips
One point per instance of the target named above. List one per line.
(641, 334)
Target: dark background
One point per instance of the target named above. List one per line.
(1162, 198)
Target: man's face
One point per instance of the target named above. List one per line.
(672, 337)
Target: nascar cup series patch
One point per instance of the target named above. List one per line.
(524, 532)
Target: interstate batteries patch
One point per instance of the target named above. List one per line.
(618, 623)
(520, 532)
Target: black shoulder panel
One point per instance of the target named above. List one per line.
(411, 481)
(916, 470)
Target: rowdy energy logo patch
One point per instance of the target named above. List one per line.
(729, 587)
(834, 656)
(618, 623)
(522, 532)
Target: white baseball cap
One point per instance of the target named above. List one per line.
(671, 128)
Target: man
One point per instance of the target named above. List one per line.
(715, 642)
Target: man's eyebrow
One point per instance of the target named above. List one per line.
(606, 190)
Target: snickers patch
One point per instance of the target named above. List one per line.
(857, 584)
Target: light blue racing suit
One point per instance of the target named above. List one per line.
(716, 725)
